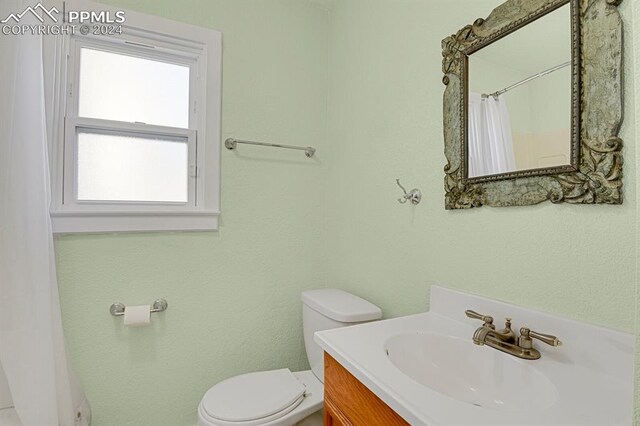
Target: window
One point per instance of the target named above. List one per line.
(132, 150)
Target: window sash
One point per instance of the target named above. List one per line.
(123, 48)
(74, 125)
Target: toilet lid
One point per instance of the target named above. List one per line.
(253, 396)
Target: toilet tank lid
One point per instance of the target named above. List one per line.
(340, 305)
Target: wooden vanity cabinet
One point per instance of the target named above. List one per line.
(347, 402)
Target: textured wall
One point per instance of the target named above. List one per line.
(636, 57)
(234, 294)
(385, 122)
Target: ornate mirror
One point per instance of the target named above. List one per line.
(533, 105)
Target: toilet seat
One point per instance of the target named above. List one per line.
(253, 399)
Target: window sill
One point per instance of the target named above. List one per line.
(100, 222)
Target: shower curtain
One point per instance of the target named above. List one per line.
(490, 140)
(43, 388)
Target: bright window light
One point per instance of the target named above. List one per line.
(128, 168)
(133, 89)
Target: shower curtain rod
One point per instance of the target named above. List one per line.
(528, 79)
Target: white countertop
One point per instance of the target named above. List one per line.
(592, 371)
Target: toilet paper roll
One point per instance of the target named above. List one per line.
(136, 316)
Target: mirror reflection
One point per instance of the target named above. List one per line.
(519, 99)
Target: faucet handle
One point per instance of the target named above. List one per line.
(488, 320)
(527, 334)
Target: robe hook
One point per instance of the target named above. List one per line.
(415, 196)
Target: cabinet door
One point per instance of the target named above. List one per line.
(351, 403)
(333, 416)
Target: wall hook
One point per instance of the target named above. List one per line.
(415, 196)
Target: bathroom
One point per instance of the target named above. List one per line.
(361, 81)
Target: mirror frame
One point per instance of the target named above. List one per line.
(595, 175)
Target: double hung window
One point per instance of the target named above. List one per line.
(139, 137)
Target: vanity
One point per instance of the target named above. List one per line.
(349, 402)
(425, 369)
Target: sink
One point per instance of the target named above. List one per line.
(426, 368)
(477, 375)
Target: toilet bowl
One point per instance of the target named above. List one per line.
(268, 398)
(280, 397)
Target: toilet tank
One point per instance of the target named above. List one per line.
(330, 308)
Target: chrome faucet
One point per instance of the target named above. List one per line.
(505, 340)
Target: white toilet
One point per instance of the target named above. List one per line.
(280, 397)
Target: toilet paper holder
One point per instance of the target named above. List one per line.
(117, 309)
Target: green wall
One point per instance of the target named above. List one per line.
(385, 122)
(636, 58)
(234, 294)
(363, 85)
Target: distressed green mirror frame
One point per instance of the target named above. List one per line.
(596, 176)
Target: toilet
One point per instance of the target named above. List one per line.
(280, 397)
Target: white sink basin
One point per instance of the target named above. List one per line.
(477, 375)
(427, 369)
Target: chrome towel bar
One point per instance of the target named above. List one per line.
(233, 143)
(117, 309)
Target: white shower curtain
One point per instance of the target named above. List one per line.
(490, 141)
(43, 387)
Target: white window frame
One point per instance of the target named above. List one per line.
(156, 39)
